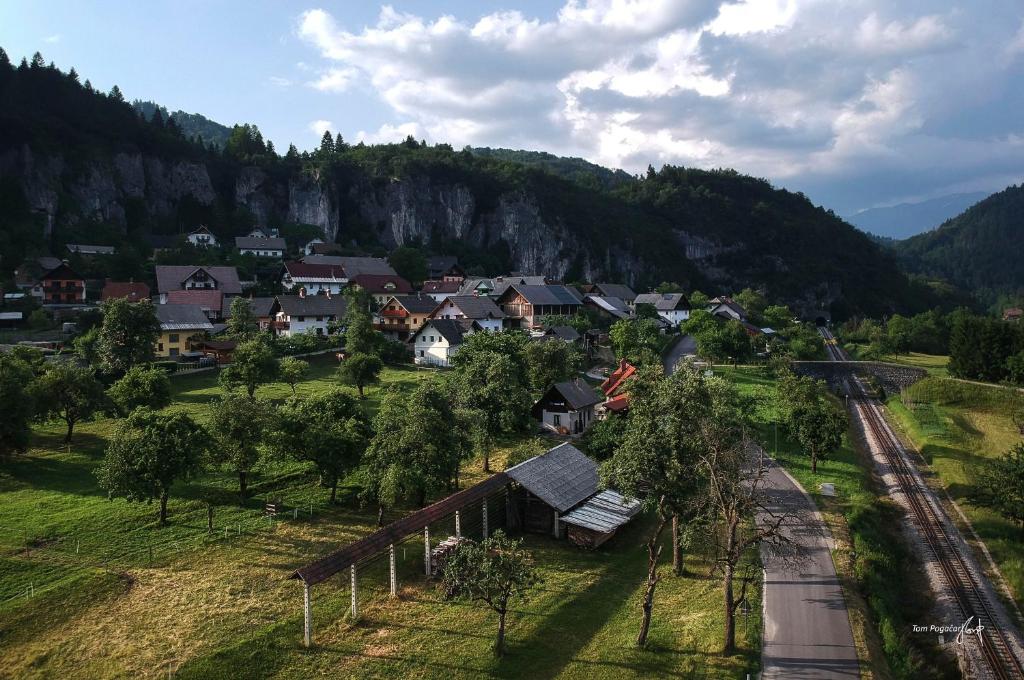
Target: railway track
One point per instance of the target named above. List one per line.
(962, 579)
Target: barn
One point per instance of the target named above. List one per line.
(557, 492)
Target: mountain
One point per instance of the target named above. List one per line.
(978, 250)
(191, 124)
(77, 165)
(908, 219)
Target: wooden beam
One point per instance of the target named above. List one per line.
(394, 572)
(485, 517)
(355, 594)
(426, 550)
(458, 524)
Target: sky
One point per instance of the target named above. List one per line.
(857, 103)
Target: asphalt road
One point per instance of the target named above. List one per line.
(686, 345)
(806, 625)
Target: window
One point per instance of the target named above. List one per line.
(431, 338)
(160, 347)
(319, 318)
(173, 337)
(421, 353)
(173, 352)
(301, 318)
(557, 420)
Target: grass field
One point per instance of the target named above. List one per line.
(94, 588)
(872, 559)
(956, 425)
(935, 364)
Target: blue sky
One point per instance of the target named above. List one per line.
(856, 103)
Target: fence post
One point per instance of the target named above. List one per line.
(426, 549)
(355, 597)
(556, 524)
(307, 610)
(485, 518)
(458, 524)
(394, 572)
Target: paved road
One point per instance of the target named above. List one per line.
(806, 625)
(686, 345)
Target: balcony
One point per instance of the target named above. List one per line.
(394, 313)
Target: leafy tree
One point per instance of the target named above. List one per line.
(657, 459)
(604, 437)
(999, 485)
(699, 300)
(128, 334)
(668, 287)
(38, 319)
(727, 340)
(360, 370)
(239, 426)
(1015, 368)
(16, 404)
(34, 359)
(67, 392)
(86, 346)
(819, 425)
(360, 336)
(292, 371)
(493, 571)
(410, 263)
(898, 330)
(328, 430)
(752, 301)
(410, 456)
(242, 324)
(252, 364)
(141, 386)
(778, 317)
(636, 341)
(804, 343)
(579, 322)
(148, 452)
(645, 310)
(552, 361)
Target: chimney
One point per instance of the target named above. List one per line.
(302, 291)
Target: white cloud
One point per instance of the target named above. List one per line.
(334, 80)
(52, 39)
(843, 100)
(278, 81)
(319, 127)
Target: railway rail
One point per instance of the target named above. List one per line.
(963, 582)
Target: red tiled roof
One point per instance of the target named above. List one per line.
(617, 404)
(206, 299)
(133, 290)
(619, 376)
(378, 283)
(441, 286)
(316, 271)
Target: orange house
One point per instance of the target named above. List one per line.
(61, 286)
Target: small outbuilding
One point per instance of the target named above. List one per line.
(567, 407)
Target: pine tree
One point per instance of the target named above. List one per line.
(5, 60)
(339, 143)
(158, 119)
(87, 85)
(115, 94)
(293, 153)
(270, 149)
(73, 74)
(326, 143)
(23, 66)
(37, 61)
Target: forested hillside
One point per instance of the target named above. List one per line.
(83, 166)
(978, 250)
(191, 124)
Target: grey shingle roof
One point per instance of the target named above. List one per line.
(255, 243)
(616, 290)
(604, 512)
(555, 294)
(477, 307)
(561, 477)
(439, 264)
(451, 329)
(663, 302)
(421, 304)
(169, 277)
(313, 305)
(577, 394)
(612, 305)
(182, 317)
(260, 306)
(567, 333)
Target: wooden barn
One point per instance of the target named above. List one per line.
(557, 492)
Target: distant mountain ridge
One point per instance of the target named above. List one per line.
(909, 219)
(978, 250)
(192, 124)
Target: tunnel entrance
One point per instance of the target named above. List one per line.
(821, 322)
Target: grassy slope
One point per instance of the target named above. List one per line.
(955, 425)
(210, 605)
(935, 364)
(876, 583)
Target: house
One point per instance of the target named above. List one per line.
(314, 278)
(186, 277)
(202, 237)
(354, 266)
(672, 307)
(482, 310)
(438, 339)
(304, 313)
(211, 301)
(445, 268)
(524, 305)
(613, 387)
(1013, 314)
(563, 333)
(133, 291)
(312, 243)
(26, 276)
(272, 232)
(610, 290)
(727, 308)
(326, 249)
(566, 407)
(401, 315)
(60, 286)
(382, 286)
(262, 308)
(180, 327)
(557, 493)
(613, 307)
(441, 290)
(260, 246)
(83, 249)
(499, 284)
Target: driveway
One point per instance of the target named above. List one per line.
(685, 346)
(807, 630)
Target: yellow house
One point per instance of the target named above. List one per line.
(180, 326)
